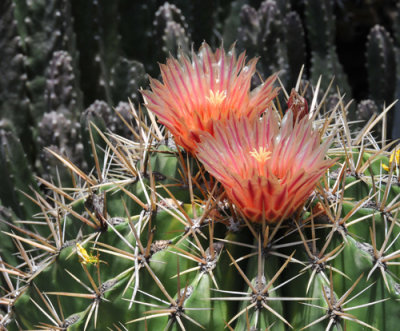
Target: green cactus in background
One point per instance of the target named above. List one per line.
(48, 28)
(396, 28)
(296, 49)
(170, 29)
(127, 77)
(18, 175)
(14, 102)
(321, 34)
(62, 88)
(262, 32)
(381, 61)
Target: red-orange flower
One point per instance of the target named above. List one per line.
(208, 87)
(268, 168)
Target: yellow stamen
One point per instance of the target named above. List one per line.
(392, 157)
(261, 155)
(216, 98)
(85, 257)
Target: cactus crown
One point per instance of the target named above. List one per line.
(151, 239)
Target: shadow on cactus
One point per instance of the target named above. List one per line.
(287, 218)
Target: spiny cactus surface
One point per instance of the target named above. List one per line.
(149, 239)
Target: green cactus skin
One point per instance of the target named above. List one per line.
(276, 34)
(62, 135)
(396, 39)
(232, 22)
(380, 63)
(96, 113)
(7, 245)
(320, 24)
(99, 45)
(62, 90)
(127, 77)
(18, 175)
(14, 103)
(171, 30)
(49, 29)
(261, 34)
(296, 49)
(365, 110)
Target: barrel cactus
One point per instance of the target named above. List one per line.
(233, 211)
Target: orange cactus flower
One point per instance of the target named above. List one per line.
(209, 87)
(268, 168)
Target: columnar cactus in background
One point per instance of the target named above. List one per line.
(276, 217)
(171, 29)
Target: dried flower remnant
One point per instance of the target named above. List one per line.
(268, 169)
(210, 86)
(297, 104)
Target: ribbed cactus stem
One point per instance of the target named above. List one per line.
(381, 65)
(171, 29)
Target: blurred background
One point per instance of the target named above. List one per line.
(64, 63)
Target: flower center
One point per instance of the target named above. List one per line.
(261, 155)
(216, 98)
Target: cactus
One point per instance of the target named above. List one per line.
(380, 63)
(18, 175)
(126, 78)
(61, 134)
(106, 51)
(59, 57)
(99, 45)
(366, 111)
(232, 22)
(149, 239)
(275, 33)
(321, 33)
(396, 116)
(296, 50)
(48, 29)
(62, 89)
(262, 33)
(170, 29)
(13, 98)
